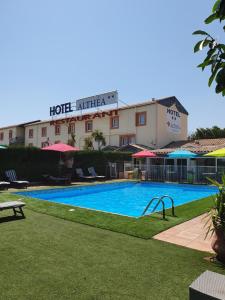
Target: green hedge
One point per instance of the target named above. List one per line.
(99, 160)
(31, 163)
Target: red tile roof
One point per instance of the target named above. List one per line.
(196, 146)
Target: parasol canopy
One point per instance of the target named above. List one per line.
(217, 153)
(60, 148)
(182, 154)
(144, 153)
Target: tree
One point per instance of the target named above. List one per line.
(208, 133)
(88, 143)
(215, 58)
(72, 140)
(99, 138)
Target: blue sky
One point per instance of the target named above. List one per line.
(57, 51)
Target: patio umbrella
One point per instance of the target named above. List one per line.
(60, 148)
(216, 153)
(143, 154)
(181, 154)
(3, 147)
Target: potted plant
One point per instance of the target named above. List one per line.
(217, 220)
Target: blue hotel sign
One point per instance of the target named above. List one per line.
(61, 109)
(85, 103)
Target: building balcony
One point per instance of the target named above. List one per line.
(18, 140)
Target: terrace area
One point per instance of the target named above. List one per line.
(62, 251)
(58, 252)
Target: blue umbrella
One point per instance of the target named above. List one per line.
(182, 154)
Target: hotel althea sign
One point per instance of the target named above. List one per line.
(85, 103)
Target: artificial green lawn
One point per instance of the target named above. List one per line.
(43, 257)
(144, 227)
(51, 255)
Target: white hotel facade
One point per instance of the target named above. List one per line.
(153, 123)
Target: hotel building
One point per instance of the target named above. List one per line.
(153, 124)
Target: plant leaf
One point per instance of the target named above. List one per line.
(211, 18)
(200, 32)
(197, 46)
(211, 78)
(216, 6)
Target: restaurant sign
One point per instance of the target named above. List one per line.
(85, 103)
(103, 114)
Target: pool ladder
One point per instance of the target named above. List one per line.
(160, 200)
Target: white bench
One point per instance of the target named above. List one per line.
(208, 286)
(16, 206)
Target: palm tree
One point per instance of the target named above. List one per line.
(99, 138)
(72, 140)
(88, 143)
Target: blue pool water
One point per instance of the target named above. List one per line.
(125, 198)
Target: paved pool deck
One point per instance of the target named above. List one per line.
(190, 234)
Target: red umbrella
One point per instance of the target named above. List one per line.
(144, 153)
(60, 148)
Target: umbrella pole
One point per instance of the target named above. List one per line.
(60, 164)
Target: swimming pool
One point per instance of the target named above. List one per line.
(125, 198)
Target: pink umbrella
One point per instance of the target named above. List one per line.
(144, 153)
(60, 148)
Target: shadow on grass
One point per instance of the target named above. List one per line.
(11, 218)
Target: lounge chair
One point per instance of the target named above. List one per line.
(13, 205)
(81, 175)
(57, 180)
(92, 172)
(14, 182)
(4, 185)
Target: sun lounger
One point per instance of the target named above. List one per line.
(14, 182)
(81, 175)
(4, 185)
(57, 180)
(16, 206)
(92, 172)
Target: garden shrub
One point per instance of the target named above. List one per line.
(31, 163)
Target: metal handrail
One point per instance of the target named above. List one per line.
(172, 201)
(150, 202)
(163, 210)
(159, 201)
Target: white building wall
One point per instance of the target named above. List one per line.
(165, 134)
(154, 134)
(17, 132)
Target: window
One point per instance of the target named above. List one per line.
(1, 136)
(127, 139)
(44, 131)
(57, 129)
(114, 122)
(71, 128)
(10, 134)
(31, 133)
(141, 118)
(88, 126)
